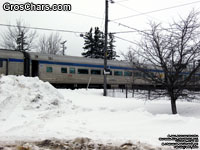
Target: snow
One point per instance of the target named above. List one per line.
(31, 109)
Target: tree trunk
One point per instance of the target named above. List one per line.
(173, 106)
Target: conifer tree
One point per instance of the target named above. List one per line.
(94, 44)
(111, 54)
(89, 44)
(98, 43)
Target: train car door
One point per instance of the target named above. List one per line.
(35, 68)
(3, 66)
(26, 64)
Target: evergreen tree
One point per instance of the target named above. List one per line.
(111, 54)
(94, 44)
(89, 44)
(98, 43)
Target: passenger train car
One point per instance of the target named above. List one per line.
(76, 72)
(66, 71)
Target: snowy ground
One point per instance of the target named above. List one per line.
(34, 110)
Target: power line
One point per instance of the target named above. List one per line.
(125, 40)
(135, 30)
(46, 29)
(120, 24)
(135, 10)
(76, 13)
(120, 1)
(69, 31)
(153, 11)
(119, 32)
(85, 15)
(128, 8)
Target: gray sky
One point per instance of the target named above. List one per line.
(95, 11)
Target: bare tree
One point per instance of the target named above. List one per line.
(130, 56)
(10, 38)
(166, 55)
(50, 44)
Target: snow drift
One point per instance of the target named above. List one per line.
(31, 109)
(35, 93)
(25, 104)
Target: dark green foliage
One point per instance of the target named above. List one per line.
(94, 44)
(111, 54)
(89, 44)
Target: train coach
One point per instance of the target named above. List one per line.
(65, 71)
(77, 72)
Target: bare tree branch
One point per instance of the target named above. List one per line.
(10, 36)
(50, 44)
(167, 55)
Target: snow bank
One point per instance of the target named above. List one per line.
(35, 93)
(31, 109)
(25, 105)
(121, 119)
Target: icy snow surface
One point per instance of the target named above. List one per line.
(31, 109)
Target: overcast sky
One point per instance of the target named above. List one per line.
(90, 13)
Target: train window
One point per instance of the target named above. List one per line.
(127, 73)
(137, 74)
(72, 70)
(96, 72)
(1, 63)
(49, 69)
(180, 77)
(144, 75)
(118, 73)
(152, 75)
(82, 71)
(64, 70)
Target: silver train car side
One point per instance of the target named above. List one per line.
(67, 71)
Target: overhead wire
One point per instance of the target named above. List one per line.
(120, 1)
(135, 10)
(128, 7)
(153, 11)
(114, 21)
(136, 30)
(121, 24)
(86, 15)
(125, 39)
(76, 13)
(39, 28)
(119, 32)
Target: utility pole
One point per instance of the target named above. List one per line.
(63, 47)
(105, 48)
(22, 41)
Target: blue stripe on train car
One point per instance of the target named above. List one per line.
(15, 60)
(87, 65)
(69, 64)
(83, 65)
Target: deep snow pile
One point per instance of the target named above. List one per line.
(35, 93)
(31, 109)
(25, 104)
